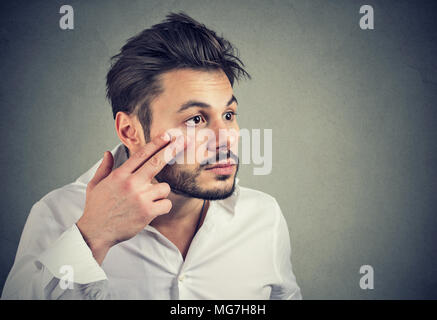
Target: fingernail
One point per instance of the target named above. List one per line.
(165, 137)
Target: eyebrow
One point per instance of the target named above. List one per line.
(194, 103)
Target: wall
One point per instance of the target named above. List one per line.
(352, 112)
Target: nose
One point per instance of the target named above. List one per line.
(224, 137)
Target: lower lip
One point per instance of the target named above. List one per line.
(223, 170)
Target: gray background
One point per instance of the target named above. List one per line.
(352, 112)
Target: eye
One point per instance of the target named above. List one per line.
(230, 115)
(194, 121)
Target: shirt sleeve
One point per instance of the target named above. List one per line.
(46, 267)
(70, 252)
(286, 287)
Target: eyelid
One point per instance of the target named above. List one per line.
(204, 118)
(192, 117)
(200, 115)
(234, 113)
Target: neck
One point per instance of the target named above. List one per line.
(185, 210)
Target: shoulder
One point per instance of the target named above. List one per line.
(260, 205)
(49, 217)
(257, 198)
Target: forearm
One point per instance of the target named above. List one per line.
(65, 270)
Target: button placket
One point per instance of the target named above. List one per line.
(181, 277)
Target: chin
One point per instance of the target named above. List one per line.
(221, 187)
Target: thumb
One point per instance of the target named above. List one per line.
(104, 169)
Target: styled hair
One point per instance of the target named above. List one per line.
(178, 42)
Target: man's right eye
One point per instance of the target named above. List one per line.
(194, 121)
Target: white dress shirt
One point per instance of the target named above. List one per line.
(241, 251)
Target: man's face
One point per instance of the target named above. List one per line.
(199, 102)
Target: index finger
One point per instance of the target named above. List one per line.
(137, 159)
(159, 160)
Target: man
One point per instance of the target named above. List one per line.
(147, 226)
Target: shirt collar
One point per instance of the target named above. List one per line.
(120, 156)
(230, 202)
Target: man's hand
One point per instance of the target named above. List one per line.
(120, 203)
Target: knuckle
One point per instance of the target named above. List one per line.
(141, 153)
(117, 177)
(137, 197)
(165, 187)
(147, 207)
(154, 144)
(129, 184)
(116, 174)
(155, 161)
(167, 206)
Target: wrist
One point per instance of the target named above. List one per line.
(98, 247)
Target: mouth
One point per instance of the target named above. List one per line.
(226, 167)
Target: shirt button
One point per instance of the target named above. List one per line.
(181, 277)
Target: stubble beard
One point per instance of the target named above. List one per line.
(184, 182)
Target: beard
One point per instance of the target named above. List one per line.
(184, 182)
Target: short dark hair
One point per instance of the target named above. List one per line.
(176, 43)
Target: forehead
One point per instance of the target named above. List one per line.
(181, 85)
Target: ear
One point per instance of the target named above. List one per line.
(129, 131)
